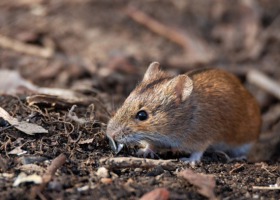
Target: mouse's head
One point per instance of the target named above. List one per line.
(151, 110)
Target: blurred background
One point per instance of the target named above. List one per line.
(104, 47)
(112, 40)
(92, 53)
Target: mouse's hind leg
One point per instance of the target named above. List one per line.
(239, 152)
(233, 153)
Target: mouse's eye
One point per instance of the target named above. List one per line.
(142, 115)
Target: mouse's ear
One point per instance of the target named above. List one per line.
(182, 85)
(152, 71)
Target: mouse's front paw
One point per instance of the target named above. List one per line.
(146, 152)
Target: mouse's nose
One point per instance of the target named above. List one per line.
(116, 147)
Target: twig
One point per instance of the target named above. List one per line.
(266, 188)
(131, 162)
(194, 46)
(5, 128)
(72, 115)
(156, 26)
(21, 47)
(47, 177)
(261, 80)
(237, 168)
(43, 52)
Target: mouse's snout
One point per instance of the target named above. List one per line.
(113, 133)
(116, 147)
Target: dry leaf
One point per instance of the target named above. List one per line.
(12, 83)
(23, 126)
(17, 151)
(205, 183)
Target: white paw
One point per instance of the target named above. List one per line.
(146, 152)
(193, 159)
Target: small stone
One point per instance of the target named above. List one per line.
(138, 170)
(247, 195)
(256, 196)
(106, 180)
(102, 172)
(129, 181)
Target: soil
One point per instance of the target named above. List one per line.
(102, 52)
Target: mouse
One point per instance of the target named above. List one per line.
(191, 113)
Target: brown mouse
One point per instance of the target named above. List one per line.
(190, 112)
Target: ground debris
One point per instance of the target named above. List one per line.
(25, 127)
(205, 183)
(131, 162)
(156, 194)
(47, 177)
(275, 186)
(23, 178)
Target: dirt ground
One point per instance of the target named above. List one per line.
(99, 50)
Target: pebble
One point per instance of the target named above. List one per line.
(138, 170)
(102, 172)
(106, 180)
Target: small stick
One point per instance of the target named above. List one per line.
(261, 80)
(21, 47)
(47, 177)
(131, 162)
(266, 188)
(195, 49)
(240, 166)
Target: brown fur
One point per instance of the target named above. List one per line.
(218, 110)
